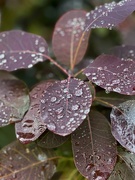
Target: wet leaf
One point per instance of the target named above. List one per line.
(65, 105)
(14, 99)
(125, 167)
(69, 42)
(32, 125)
(113, 98)
(21, 162)
(123, 124)
(94, 147)
(124, 52)
(19, 49)
(51, 140)
(112, 74)
(109, 15)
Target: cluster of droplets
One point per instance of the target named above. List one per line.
(105, 16)
(67, 104)
(117, 76)
(21, 55)
(123, 124)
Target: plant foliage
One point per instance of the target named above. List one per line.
(56, 109)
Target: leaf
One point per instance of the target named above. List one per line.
(94, 147)
(112, 74)
(125, 167)
(14, 99)
(65, 105)
(112, 98)
(124, 52)
(109, 15)
(69, 40)
(21, 162)
(19, 49)
(51, 140)
(32, 125)
(123, 124)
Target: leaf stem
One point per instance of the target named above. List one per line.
(56, 64)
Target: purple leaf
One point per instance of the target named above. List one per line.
(51, 140)
(19, 49)
(65, 105)
(94, 147)
(14, 99)
(19, 162)
(124, 52)
(109, 15)
(113, 74)
(123, 124)
(69, 42)
(32, 125)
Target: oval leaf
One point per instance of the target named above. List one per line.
(32, 125)
(51, 140)
(69, 42)
(109, 15)
(19, 49)
(124, 52)
(113, 74)
(94, 147)
(25, 162)
(14, 99)
(65, 105)
(123, 124)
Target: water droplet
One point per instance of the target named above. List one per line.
(75, 107)
(79, 92)
(42, 49)
(2, 56)
(58, 111)
(51, 126)
(53, 99)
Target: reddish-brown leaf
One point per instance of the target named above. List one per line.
(109, 15)
(65, 105)
(123, 124)
(94, 147)
(69, 40)
(19, 162)
(113, 74)
(19, 49)
(14, 99)
(32, 125)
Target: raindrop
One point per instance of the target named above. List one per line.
(53, 99)
(75, 107)
(42, 49)
(79, 92)
(51, 127)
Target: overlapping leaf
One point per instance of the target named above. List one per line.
(19, 49)
(51, 140)
(69, 43)
(32, 125)
(124, 52)
(112, 98)
(123, 124)
(14, 99)
(65, 105)
(109, 15)
(113, 74)
(25, 162)
(125, 167)
(94, 147)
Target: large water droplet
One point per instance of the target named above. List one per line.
(51, 126)
(78, 92)
(42, 49)
(75, 107)
(53, 99)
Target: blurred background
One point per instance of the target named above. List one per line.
(39, 17)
